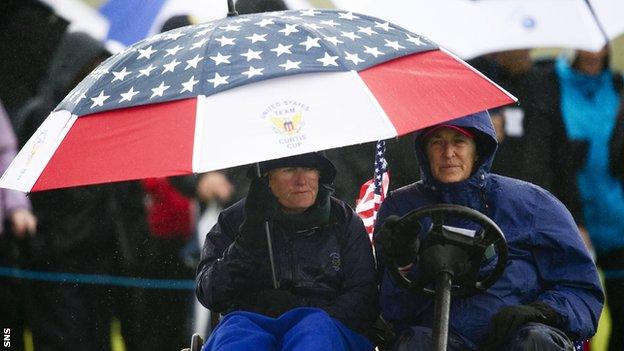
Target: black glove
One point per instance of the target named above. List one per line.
(398, 240)
(509, 319)
(260, 206)
(275, 302)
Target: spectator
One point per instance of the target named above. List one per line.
(549, 286)
(326, 294)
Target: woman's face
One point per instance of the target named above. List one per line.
(295, 187)
(452, 155)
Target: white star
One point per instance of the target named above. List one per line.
(218, 80)
(121, 74)
(385, 26)
(219, 59)
(250, 55)
(328, 60)
(225, 41)
(127, 96)
(311, 43)
(253, 72)
(415, 40)
(373, 51)
(241, 20)
(353, 58)
(333, 40)
(291, 65)
(99, 100)
(231, 28)
(169, 67)
(366, 30)
(290, 28)
(257, 37)
(189, 85)
(348, 16)
(309, 12)
(146, 53)
(146, 71)
(193, 62)
(80, 97)
(282, 49)
(173, 36)
(198, 44)
(173, 51)
(264, 22)
(393, 44)
(203, 32)
(313, 26)
(330, 23)
(350, 35)
(158, 91)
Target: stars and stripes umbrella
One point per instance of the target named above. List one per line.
(245, 89)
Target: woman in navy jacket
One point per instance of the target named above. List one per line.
(550, 283)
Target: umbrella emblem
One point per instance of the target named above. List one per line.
(288, 125)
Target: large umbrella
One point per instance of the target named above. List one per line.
(245, 89)
(470, 28)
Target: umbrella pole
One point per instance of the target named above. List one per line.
(231, 9)
(267, 230)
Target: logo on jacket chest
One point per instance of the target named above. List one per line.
(334, 259)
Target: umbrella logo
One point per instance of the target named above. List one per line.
(286, 118)
(528, 22)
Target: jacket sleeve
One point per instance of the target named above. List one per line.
(357, 306)
(565, 267)
(225, 269)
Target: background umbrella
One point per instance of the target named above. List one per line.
(470, 28)
(246, 89)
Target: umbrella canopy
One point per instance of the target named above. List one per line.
(470, 28)
(246, 89)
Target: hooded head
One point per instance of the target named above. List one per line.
(476, 128)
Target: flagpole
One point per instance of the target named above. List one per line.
(267, 230)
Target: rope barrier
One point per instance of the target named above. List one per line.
(100, 279)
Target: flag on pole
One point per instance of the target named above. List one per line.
(373, 192)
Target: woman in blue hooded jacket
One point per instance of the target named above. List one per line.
(550, 284)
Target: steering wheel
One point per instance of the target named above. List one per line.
(459, 254)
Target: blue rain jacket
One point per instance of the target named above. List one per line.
(547, 262)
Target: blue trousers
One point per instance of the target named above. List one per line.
(530, 337)
(300, 329)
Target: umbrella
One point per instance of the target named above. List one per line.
(246, 89)
(470, 28)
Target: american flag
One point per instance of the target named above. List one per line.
(373, 192)
(208, 58)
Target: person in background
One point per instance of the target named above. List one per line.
(17, 224)
(326, 294)
(549, 289)
(532, 146)
(83, 230)
(589, 97)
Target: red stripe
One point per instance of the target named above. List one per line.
(423, 89)
(132, 143)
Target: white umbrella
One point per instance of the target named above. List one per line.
(473, 28)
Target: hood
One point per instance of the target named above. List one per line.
(481, 126)
(316, 160)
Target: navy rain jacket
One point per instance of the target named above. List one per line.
(547, 262)
(330, 267)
